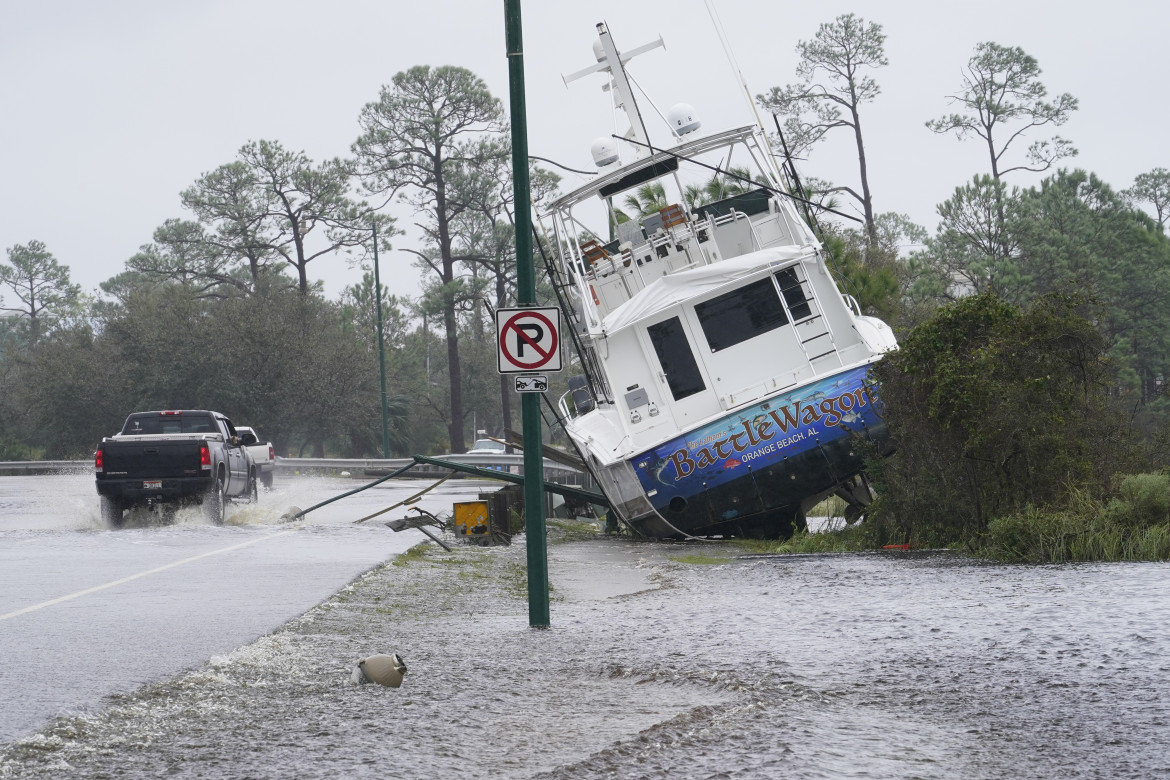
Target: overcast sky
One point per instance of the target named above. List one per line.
(110, 109)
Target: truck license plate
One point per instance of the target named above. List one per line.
(152, 484)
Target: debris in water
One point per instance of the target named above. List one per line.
(382, 669)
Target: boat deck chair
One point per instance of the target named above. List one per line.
(672, 215)
(594, 253)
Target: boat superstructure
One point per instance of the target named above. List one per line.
(724, 387)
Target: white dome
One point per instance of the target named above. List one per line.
(682, 119)
(605, 152)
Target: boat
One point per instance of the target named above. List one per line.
(724, 386)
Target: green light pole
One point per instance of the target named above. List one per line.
(381, 350)
(534, 530)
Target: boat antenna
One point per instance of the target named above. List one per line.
(610, 61)
(722, 34)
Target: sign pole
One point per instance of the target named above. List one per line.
(534, 528)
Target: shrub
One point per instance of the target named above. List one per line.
(1143, 500)
(1132, 526)
(995, 411)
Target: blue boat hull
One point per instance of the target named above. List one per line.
(749, 472)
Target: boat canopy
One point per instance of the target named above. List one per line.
(682, 286)
(659, 162)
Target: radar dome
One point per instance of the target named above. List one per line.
(604, 151)
(682, 119)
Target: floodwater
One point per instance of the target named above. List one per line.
(87, 611)
(668, 661)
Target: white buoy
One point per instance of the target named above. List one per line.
(381, 669)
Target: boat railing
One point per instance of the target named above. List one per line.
(563, 407)
(733, 217)
(851, 304)
(611, 273)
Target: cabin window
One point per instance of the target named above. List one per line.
(792, 289)
(742, 314)
(675, 357)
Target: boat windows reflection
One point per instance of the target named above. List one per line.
(742, 314)
(676, 358)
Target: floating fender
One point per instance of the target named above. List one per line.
(381, 669)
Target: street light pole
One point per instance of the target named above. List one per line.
(381, 350)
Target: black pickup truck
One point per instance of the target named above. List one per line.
(173, 458)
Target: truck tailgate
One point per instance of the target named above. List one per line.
(155, 459)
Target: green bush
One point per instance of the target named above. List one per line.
(1145, 499)
(996, 411)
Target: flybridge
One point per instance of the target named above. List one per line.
(747, 137)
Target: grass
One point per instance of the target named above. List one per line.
(416, 553)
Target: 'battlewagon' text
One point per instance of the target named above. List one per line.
(764, 429)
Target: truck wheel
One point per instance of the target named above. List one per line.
(112, 511)
(215, 502)
(266, 479)
(253, 489)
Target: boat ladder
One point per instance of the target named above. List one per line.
(807, 316)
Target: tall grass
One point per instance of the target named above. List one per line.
(1134, 526)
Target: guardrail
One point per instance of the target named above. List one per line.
(16, 468)
(512, 464)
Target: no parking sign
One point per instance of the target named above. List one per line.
(528, 339)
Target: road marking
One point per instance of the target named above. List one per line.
(132, 577)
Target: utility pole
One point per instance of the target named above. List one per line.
(381, 350)
(534, 527)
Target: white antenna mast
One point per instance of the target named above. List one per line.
(718, 25)
(610, 61)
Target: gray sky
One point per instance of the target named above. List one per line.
(109, 109)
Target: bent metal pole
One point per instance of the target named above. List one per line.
(534, 530)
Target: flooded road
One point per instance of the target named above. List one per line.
(86, 611)
(668, 661)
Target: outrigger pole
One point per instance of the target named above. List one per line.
(534, 528)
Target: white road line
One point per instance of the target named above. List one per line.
(147, 573)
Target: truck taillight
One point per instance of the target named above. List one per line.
(271, 453)
(97, 460)
(204, 457)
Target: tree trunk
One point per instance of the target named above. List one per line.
(866, 198)
(506, 388)
(302, 271)
(450, 322)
